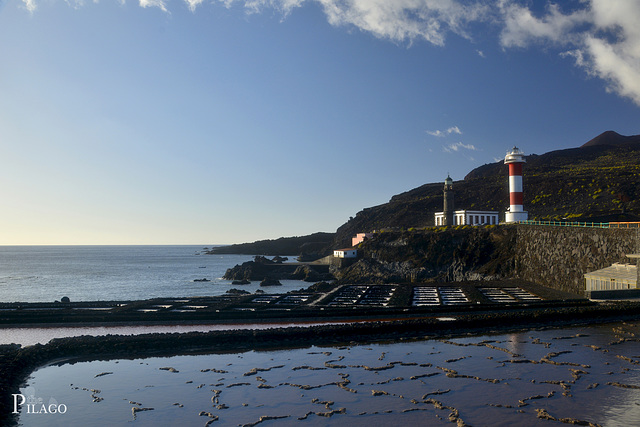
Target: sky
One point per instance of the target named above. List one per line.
(227, 121)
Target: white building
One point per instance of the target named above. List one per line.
(466, 217)
(618, 276)
(346, 253)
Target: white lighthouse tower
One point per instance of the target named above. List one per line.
(516, 212)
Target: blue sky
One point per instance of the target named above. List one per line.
(222, 121)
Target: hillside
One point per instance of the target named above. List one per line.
(312, 246)
(597, 181)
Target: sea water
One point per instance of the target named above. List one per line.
(104, 273)
(532, 378)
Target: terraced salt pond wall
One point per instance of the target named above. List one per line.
(42, 335)
(532, 378)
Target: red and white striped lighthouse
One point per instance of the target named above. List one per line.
(516, 212)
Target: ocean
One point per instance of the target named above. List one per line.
(104, 273)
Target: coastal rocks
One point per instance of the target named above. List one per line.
(234, 291)
(270, 282)
(308, 274)
(262, 268)
(246, 272)
(372, 271)
(241, 282)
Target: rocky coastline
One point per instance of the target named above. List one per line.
(261, 268)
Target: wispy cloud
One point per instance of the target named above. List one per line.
(30, 5)
(601, 36)
(154, 3)
(406, 20)
(458, 146)
(192, 4)
(442, 133)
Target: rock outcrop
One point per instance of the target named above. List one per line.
(450, 254)
(262, 268)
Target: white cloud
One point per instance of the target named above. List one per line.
(405, 20)
(154, 3)
(612, 50)
(192, 4)
(454, 129)
(522, 28)
(30, 5)
(603, 38)
(256, 6)
(459, 146)
(442, 133)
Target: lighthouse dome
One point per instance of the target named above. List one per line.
(515, 156)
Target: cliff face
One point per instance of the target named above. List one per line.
(448, 254)
(556, 257)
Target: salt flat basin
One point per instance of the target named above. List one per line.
(588, 374)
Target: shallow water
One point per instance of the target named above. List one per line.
(591, 374)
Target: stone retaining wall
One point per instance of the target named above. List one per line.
(558, 257)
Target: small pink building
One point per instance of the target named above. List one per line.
(359, 238)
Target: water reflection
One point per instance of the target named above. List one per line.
(584, 375)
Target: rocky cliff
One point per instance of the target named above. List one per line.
(556, 257)
(449, 254)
